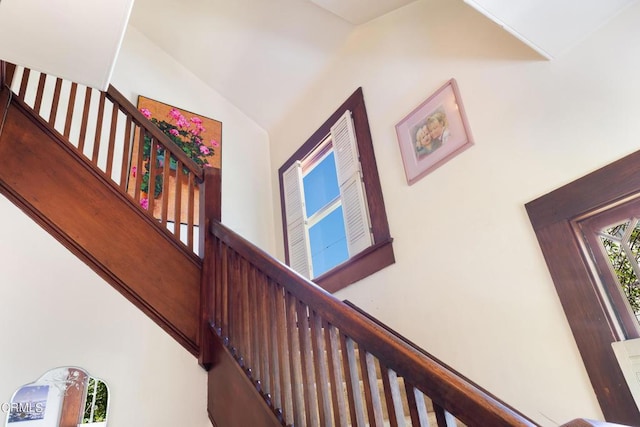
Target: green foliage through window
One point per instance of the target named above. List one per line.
(614, 240)
(95, 408)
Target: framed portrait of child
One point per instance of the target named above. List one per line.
(433, 133)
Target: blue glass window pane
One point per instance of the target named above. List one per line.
(328, 243)
(321, 185)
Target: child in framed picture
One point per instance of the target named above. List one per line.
(425, 144)
(438, 128)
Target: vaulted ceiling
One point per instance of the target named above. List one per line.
(261, 55)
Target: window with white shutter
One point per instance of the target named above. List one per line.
(296, 229)
(356, 216)
(334, 223)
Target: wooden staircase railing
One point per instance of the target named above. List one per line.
(319, 362)
(79, 187)
(105, 127)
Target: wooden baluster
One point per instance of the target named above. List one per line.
(249, 317)
(264, 336)
(217, 283)
(216, 309)
(295, 362)
(245, 320)
(308, 376)
(190, 209)
(165, 189)
(177, 203)
(153, 159)
(230, 295)
(139, 165)
(321, 368)
(371, 391)
(340, 413)
(443, 418)
(225, 303)
(247, 314)
(85, 119)
(126, 158)
(352, 378)
(393, 397)
(115, 110)
(256, 327)
(56, 101)
(234, 298)
(70, 107)
(235, 292)
(262, 300)
(237, 307)
(24, 83)
(283, 352)
(98, 135)
(417, 407)
(271, 322)
(242, 331)
(39, 93)
(264, 323)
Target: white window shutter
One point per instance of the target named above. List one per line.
(345, 147)
(294, 211)
(354, 205)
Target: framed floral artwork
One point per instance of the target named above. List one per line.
(198, 136)
(433, 133)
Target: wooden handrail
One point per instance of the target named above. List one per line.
(453, 393)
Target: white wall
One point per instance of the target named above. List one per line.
(55, 311)
(470, 284)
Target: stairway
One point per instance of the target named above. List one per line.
(79, 200)
(279, 350)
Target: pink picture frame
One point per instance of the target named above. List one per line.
(433, 133)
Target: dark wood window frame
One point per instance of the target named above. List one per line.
(380, 254)
(554, 218)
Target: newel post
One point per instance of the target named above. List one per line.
(210, 210)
